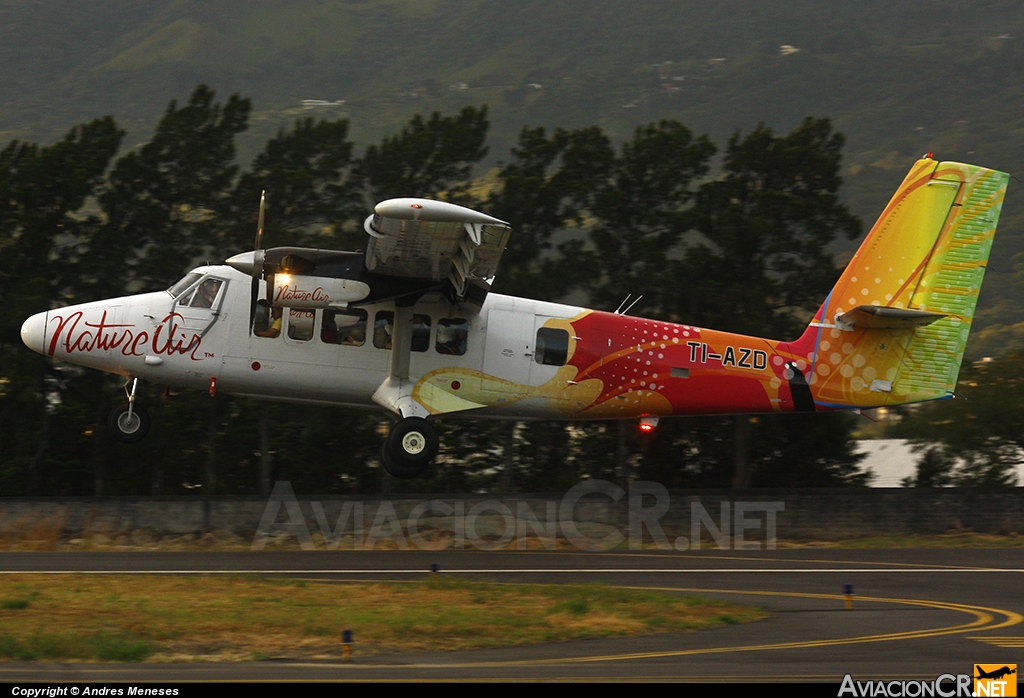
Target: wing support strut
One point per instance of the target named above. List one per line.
(395, 392)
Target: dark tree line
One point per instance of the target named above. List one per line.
(745, 251)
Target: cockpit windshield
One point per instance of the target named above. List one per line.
(182, 285)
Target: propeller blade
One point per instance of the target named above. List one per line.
(257, 259)
(259, 224)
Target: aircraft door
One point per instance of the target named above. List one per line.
(508, 351)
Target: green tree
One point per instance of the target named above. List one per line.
(547, 186)
(764, 264)
(761, 267)
(429, 156)
(42, 192)
(934, 469)
(641, 212)
(982, 427)
(163, 202)
(313, 195)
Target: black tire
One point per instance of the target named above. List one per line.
(395, 468)
(410, 447)
(129, 431)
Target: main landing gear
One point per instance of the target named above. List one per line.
(409, 448)
(130, 424)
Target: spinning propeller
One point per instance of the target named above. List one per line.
(257, 262)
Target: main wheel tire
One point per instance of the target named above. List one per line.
(129, 430)
(395, 468)
(410, 447)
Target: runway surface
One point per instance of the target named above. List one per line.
(916, 614)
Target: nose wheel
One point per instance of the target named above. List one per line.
(129, 424)
(409, 448)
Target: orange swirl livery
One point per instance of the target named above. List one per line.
(410, 327)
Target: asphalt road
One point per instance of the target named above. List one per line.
(916, 614)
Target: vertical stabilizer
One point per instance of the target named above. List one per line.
(895, 326)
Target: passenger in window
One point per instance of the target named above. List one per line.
(301, 324)
(382, 329)
(346, 327)
(267, 322)
(329, 330)
(354, 335)
(420, 332)
(452, 336)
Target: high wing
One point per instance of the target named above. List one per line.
(436, 241)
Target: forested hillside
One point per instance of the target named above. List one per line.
(582, 99)
(899, 79)
(80, 221)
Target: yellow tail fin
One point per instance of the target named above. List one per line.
(895, 326)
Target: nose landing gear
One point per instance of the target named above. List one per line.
(409, 448)
(130, 424)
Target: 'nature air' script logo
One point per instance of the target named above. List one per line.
(167, 337)
(287, 292)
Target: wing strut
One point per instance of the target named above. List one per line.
(395, 392)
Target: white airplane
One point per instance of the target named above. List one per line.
(411, 328)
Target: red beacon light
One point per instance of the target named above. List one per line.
(647, 424)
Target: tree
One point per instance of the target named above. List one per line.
(548, 185)
(981, 429)
(764, 264)
(429, 155)
(312, 191)
(642, 211)
(762, 267)
(163, 201)
(42, 189)
(934, 469)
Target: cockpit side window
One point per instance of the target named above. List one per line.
(183, 285)
(205, 293)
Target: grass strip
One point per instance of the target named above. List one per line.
(169, 618)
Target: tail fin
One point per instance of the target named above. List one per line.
(894, 328)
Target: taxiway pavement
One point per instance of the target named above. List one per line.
(917, 613)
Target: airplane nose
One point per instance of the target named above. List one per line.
(33, 333)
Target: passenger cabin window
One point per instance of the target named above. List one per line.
(452, 335)
(300, 324)
(552, 346)
(267, 322)
(205, 294)
(345, 327)
(383, 327)
(420, 333)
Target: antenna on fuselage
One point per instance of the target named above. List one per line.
(620, 311)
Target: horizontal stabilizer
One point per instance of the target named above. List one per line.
(884, 318)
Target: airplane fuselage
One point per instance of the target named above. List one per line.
(515, 358)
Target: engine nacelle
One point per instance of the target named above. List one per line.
(296, 291)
